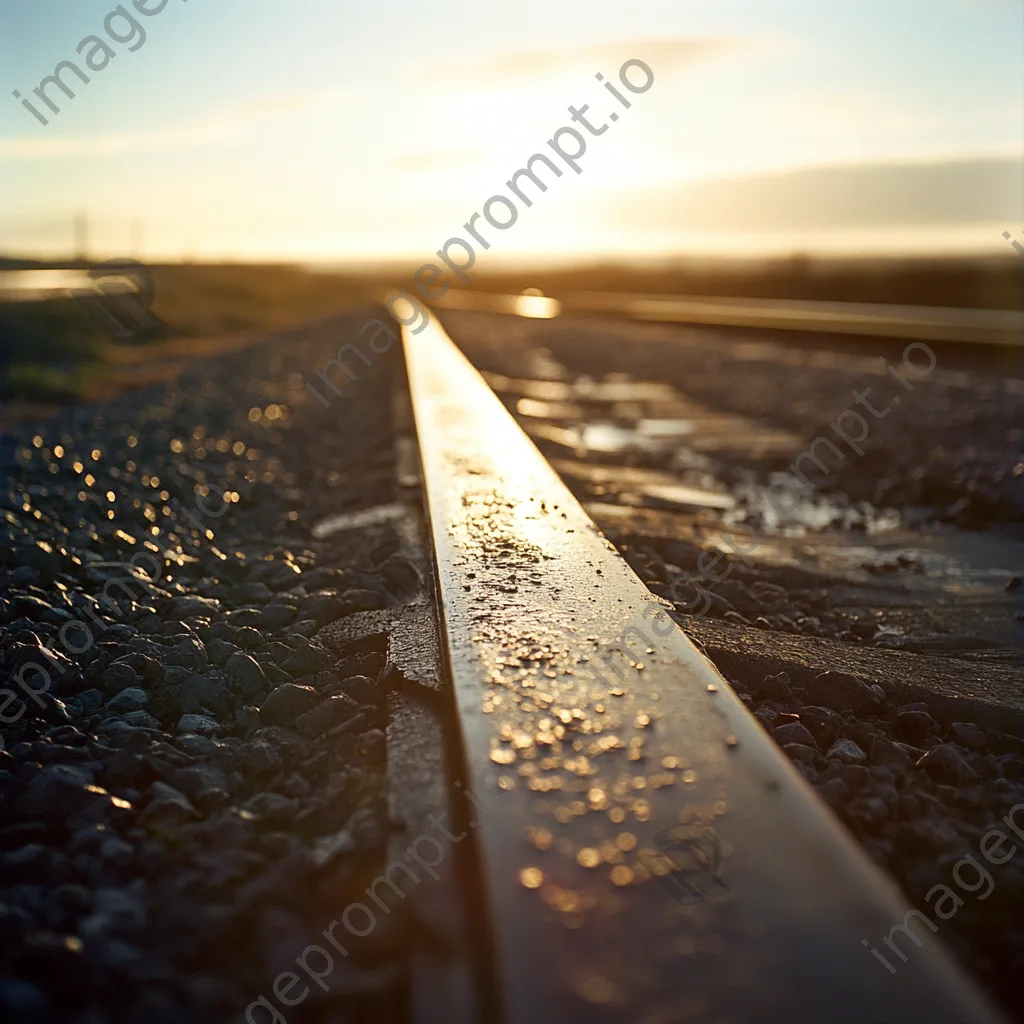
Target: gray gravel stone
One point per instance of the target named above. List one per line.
(259, 757)
(914, 726)
(847, 751)
(275, 616)
(794, 732)
(246, 675)
(168, 809)
(332, 712)
(198, 693)
(823, 724)
(132, 698)
(968, 735)
(285, 704)
(843, 692)
(885, 752)
(199, 724)
(187, 607)
(119, 675)
(945, 764)
(219, 651)
(141, 720)
(309, 658)
(801, 754)
(189, 653)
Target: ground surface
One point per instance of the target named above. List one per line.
(203, 787)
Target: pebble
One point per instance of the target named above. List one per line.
(846, 751)
(823, 724)
(141, 720)
(118, 676)
(246, 675)
(841, 691)
(332, 712)
(885, 752)
(803, 755)
(199, 724)
(286, 703)
(914, 726)
(188, 606)
(167, 810)
(201, 694)
(945, 764)
(969, 735)
(132, 698)
(794, 732)
(308, 659)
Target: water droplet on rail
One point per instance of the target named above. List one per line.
(531, 877)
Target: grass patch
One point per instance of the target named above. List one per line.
(52, 351)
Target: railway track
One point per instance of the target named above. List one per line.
(859, 319)
(646, 852)
(415, 722)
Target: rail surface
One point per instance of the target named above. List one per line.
(648, 855)
(918, 323)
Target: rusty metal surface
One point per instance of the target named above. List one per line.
(649, 855)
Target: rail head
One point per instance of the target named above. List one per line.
(648, 854)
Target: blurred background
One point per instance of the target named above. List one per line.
(860, 150)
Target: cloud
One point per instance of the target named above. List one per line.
(436, 161)
(220, 126)
(853, 196)
(663, 55)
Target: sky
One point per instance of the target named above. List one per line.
(319, 130)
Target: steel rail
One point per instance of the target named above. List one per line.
(649, 856)
(916, 323)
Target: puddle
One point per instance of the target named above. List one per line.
(681, 496)
(617, 439)
(536, 409)
(376, 516)
(666, 428)
(794, 509)
(540, 390)
(624, 391)
(610, 438)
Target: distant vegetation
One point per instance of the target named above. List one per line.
(994, 283)
(54, 351)
(44, 349)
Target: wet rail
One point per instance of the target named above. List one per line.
(647, 853)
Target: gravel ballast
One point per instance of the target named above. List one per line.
(188, 800)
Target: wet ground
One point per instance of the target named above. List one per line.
(923, 557)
